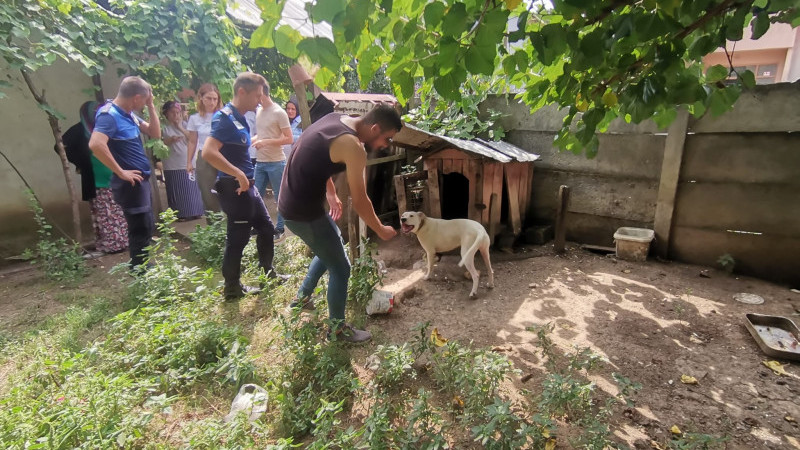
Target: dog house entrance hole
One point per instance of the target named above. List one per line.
(455, 196)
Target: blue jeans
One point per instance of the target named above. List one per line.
(271, 172)
(325, 240)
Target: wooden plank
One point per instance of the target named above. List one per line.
(362, 234)
(470, 168)
(400, 191)
(479, 205)
(386, 159)
(487, 188)
(451, 153)
(434, 200)
(447, 166)
(497, 187)
(526, 204)
(458, 166)
(512, 183)
(302, 103)
(668, 187)
(561, 214)
(494, 215)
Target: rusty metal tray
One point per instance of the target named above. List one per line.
(776, 336)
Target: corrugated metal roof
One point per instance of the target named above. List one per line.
(500, 151)
(337, 97)
(294, 15)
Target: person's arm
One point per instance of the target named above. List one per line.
(98, 144)
(348, 150)
(211, 153)
(191, 148)
(285, 139)
(333, 200)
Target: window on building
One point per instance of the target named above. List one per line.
(765, 73)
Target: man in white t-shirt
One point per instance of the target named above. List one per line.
(272, 132)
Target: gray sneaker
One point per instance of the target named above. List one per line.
(346, 333)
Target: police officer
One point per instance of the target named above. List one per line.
(116, 142)
(226, 149)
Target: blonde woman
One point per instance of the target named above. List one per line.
(199, 127)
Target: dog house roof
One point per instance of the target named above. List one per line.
(411, 136)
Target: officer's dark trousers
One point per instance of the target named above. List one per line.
(135, 203)
(244, 211)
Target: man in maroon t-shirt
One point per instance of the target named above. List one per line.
(333, 144)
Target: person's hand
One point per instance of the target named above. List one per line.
(386, 232)
(335, 207)
(244, 183)
(131, 176)
(189, 167)
(150, 99)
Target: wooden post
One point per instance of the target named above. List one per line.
(512, 183)
(302, 103)
(400, 190)
(435, 203)
(561, 214)
(668, 185)
(494, 215)
(352, 229)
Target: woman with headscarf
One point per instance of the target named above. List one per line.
(293, 112)
(110, 228)
(183, 195)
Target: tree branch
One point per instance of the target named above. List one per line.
(710, 14)
(608, 10)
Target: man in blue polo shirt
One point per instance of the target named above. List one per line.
(226, 149)
(117, 143)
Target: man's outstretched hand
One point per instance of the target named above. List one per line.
(386, 232)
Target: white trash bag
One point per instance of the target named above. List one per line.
(252, 400)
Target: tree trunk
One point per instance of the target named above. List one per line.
(56, 129)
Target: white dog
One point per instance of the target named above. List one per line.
(439, 235)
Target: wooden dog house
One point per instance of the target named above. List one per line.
(486, 181)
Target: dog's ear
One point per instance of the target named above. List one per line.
(421, 215)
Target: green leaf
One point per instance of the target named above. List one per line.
(51, 111)
(748, 79)
(327, 10)
(455, 21)
(322, 51)
(433, 14)
(448, 48)
(324, 77)
(716, 73)
(263, 36)
(760, 24)
(286, 40)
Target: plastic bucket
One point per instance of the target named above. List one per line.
(633, 244)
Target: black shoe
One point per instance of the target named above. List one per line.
(240, 291)
(277, 278)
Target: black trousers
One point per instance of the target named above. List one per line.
(244, 211)
(135, 203)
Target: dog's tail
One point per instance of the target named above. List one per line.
(471, 251)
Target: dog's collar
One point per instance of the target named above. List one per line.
(421, 223)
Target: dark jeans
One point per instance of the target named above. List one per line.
(325, 240)
(244, 211)
(135, 203)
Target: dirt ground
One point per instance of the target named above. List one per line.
(653, 322)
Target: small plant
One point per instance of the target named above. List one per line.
(59, 259)
(208, 241)
(424, 425)
(365, 275)
(503, 430)
(392, 365)
(727, 262)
